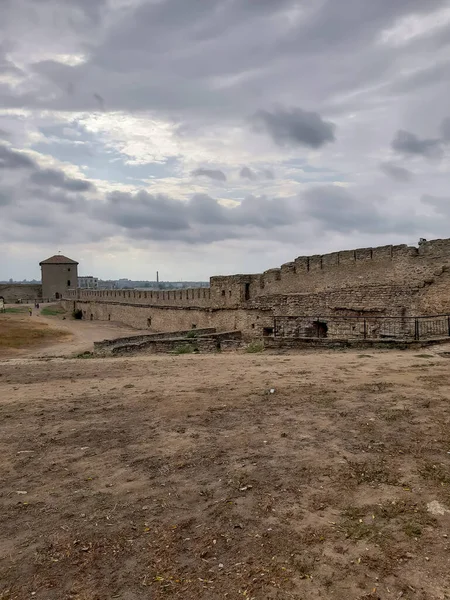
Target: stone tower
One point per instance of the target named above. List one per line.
(59, 274)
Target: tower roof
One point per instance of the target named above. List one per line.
(58, 259)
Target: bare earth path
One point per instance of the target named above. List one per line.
(184, 477)
(81, 336)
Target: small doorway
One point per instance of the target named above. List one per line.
(57, 295)
(320, 329)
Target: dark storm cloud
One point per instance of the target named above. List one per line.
(294, 127)
(10, 159)
(247, 173)
(55, 178)
(406, 142)
(211, 173)
(395, 172)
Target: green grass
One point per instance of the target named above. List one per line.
(254, 347)
(52, 311)
(22, 309)
(183, 349)
(191, 334)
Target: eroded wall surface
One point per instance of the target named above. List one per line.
(394, 281)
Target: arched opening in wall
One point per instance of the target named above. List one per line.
(247, 291)
(109, 317)
(92, 317)
(149, 322)
(320, 329)
(57, 295)
(68, 283)
(267, 331)
(223, 292)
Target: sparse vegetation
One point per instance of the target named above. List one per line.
(52, 311)
(12, 310)
(254, 347)
(85, 355)
(325, 484)
(192, 334)
(184, 349)
(19, 332)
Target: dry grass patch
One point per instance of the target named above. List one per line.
(22, 332)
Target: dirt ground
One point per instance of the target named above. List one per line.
(184, 477)
(70, 336)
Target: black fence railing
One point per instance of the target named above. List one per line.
(404, 328)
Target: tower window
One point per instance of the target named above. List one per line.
(68, 283)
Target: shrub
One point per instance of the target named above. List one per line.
(77, 314)
(255, 347)
(191, 334)
(183, 349)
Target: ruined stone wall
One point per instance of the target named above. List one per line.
(380, 300)
(385, 265)
(165, 318)
(384, 281)
(12, 292)
(199, 297)
(434, 297)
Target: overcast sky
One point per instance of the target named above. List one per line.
(201, 137)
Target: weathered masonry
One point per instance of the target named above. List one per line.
(387, 281)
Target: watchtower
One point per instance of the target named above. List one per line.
(59, 274)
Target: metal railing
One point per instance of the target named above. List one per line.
(401, 328)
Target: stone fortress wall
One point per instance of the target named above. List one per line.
(21, 292)
(384, 281)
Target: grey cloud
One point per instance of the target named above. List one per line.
(247, 173)
(5, 197)
(445, 129)
(211, 173)
(336, 209)
(295, 126)
(395, 172)
(4, 134)
(441, 204)
(143, 210)
(54, 178)
(10, 159)
(406, 142)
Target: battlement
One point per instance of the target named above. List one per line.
(199, 297)
(408, 267)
